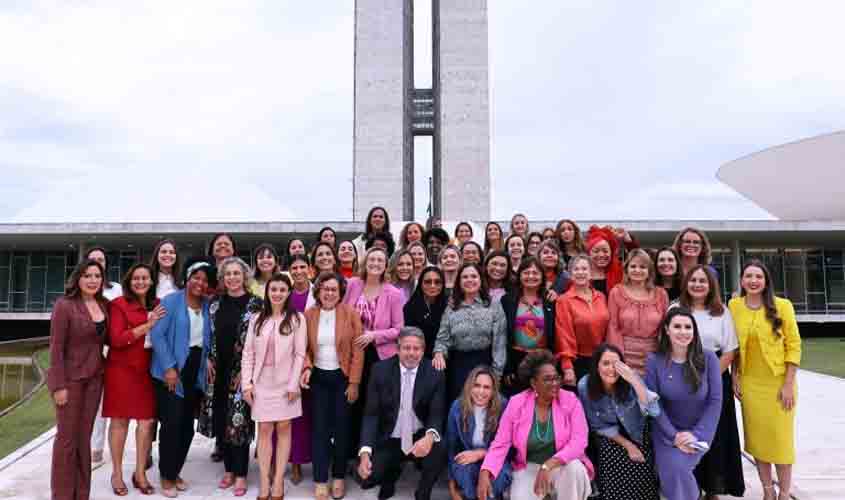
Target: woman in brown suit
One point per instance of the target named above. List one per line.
(333, 371)
(75, 377)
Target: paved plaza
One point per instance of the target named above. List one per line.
(819, 472)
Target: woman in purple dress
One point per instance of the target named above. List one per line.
(688, 380)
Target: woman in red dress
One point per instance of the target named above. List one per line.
(128, 393)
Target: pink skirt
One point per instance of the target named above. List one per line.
(271, 400)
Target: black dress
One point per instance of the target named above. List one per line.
(619, 478)
(425, 316)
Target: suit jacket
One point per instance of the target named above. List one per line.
(389, 317)
(255, 352)
(383, 398)
(347, 328)
(171, 338)
(124, 348)
(76, 351)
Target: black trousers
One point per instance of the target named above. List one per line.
(356, 416)
(176, 418)
(387, 466)
(330, 420)
(235, 458)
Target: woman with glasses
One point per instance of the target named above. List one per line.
(693, 248)
(426, 306)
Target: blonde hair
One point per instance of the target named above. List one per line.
(639, 253)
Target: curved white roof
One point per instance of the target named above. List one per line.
(802, 180)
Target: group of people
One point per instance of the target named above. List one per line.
(542, 363)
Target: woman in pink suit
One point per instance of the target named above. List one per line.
(380, 306)
(546, 426)
(273, 357)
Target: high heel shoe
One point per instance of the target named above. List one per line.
(146, 489)
(120, 491)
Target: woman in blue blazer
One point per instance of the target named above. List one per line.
(181, 343)
(470, 427)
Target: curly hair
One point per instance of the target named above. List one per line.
(531, 363)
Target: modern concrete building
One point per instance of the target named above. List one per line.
(390, 111)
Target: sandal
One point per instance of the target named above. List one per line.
(321, 492)
(145, 489)
(280, 497)
(181, 485)
(239, 491)
(226, 483)
(338, 489)
(120, 491)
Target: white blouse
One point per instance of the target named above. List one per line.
(326, 357)
(165, 286)
(717, 332)
(196, 327)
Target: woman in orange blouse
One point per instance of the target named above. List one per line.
(581, 320)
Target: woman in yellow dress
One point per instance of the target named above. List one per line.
(764, 375)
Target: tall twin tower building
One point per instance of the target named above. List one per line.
(390, 111)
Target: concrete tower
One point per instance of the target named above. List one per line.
(389, 111)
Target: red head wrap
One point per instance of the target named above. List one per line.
(596, 235)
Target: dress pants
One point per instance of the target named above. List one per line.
(70, 477)
(387, 466)
(328, 392)
(235, 458)
(176, 418)
(569, 482)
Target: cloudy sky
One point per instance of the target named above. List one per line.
(153, 111)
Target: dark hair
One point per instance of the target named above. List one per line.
(527, 262)
(531, 363)
(72, 285)
(768, 295)
(106, 283)
(210, 270)
(556, 249)
(216, 237)
(331, 248)
(533, 234)
(694, 364)
(512, 236)
(328, 276)
(713, 301)
(595, 387)
(288, 256)
(436, 232)
(176, 272)
(476, 245)
(487, 247)
(705, 255)
(677, 278)
(321, 231)
(382, 236)
(548, 229)
(463, 224)
(258, 252)
(458, 295)
(577, 239)
(126, 283)
(441, 299)
(354, 249)
(492, 255)
(296, 258)
(368, 227)
(403, 235)
(291, 316)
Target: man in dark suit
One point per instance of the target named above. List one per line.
(403, 418)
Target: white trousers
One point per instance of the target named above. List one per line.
(98, 437)
(569, 482)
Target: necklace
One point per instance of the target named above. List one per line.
(545, 435)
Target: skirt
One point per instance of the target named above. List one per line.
(621, 479)
(271, 400)
(128, 393)
(720, 469)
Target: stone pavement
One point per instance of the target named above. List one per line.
(819, 472)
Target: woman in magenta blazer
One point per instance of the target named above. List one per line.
(546, 427)
(379, 304)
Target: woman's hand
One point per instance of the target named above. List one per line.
(484, 490)
(249, 397)
(212, 372)
(292, 396)
(470, 456)
(551, 295)
(786, 395)
(352, 393)
(60, 397)
(634, 453)
(737, 387)
(171, 378)
(626, 372)
(439, 362)
(364, 340)
(305, 379)
(683, 440)
(568, 376)
(542, 483)
(156, 314)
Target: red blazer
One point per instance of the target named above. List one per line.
(76, 351)
(124, 348)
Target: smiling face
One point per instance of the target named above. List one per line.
(90, 281)
(223, 247)
(411, 350)
(534, 243)
(197, 285)
(99, 257)
(470, 281)
(266, 262)
(497, 268)
(471, 255)
(233, 278)
(698, 286)
(418, 255)
(378, 219)
(278, 292)
(166, 257)
(328, 236)
(753, 280)
(405, 267)
(413, 233)
(637, 270)
(530, 278)
(376, 264)
(463, 233)
(432, 285)
(666, 263)
(450, 260)
(296, 247)
(691, 244)
(482, 390)
(681, 332)
(493, 233)
(140, 282)
(516, 248)
(324, 258)
(329, 294)
(607, 368)
(298, 271)
(600, 254)
(549, 259)
(546, 382)
(519, 225)
(581, 273)
(346, 253)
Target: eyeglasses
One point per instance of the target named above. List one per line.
(556, 379)
(696, 243)
(432, 282)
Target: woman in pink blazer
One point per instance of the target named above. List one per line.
(546, 426)
(380, 306)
